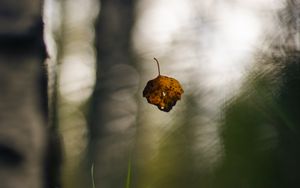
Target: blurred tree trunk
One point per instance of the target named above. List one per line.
(111, 129)
(24, 139)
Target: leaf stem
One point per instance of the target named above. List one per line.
(157, 66)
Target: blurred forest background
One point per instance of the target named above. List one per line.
(237, 124)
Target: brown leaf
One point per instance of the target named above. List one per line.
(163, 92)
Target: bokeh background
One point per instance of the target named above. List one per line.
(237, 124)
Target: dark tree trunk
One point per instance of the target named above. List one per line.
(110, 143)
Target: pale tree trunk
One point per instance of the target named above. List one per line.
(23, 100)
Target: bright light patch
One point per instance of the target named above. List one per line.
(159, 21)
(235, 39)
(263, 5)
(239, 29)
(77, 77)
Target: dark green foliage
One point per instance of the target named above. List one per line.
(261, 132)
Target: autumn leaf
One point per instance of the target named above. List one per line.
(163, 91)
